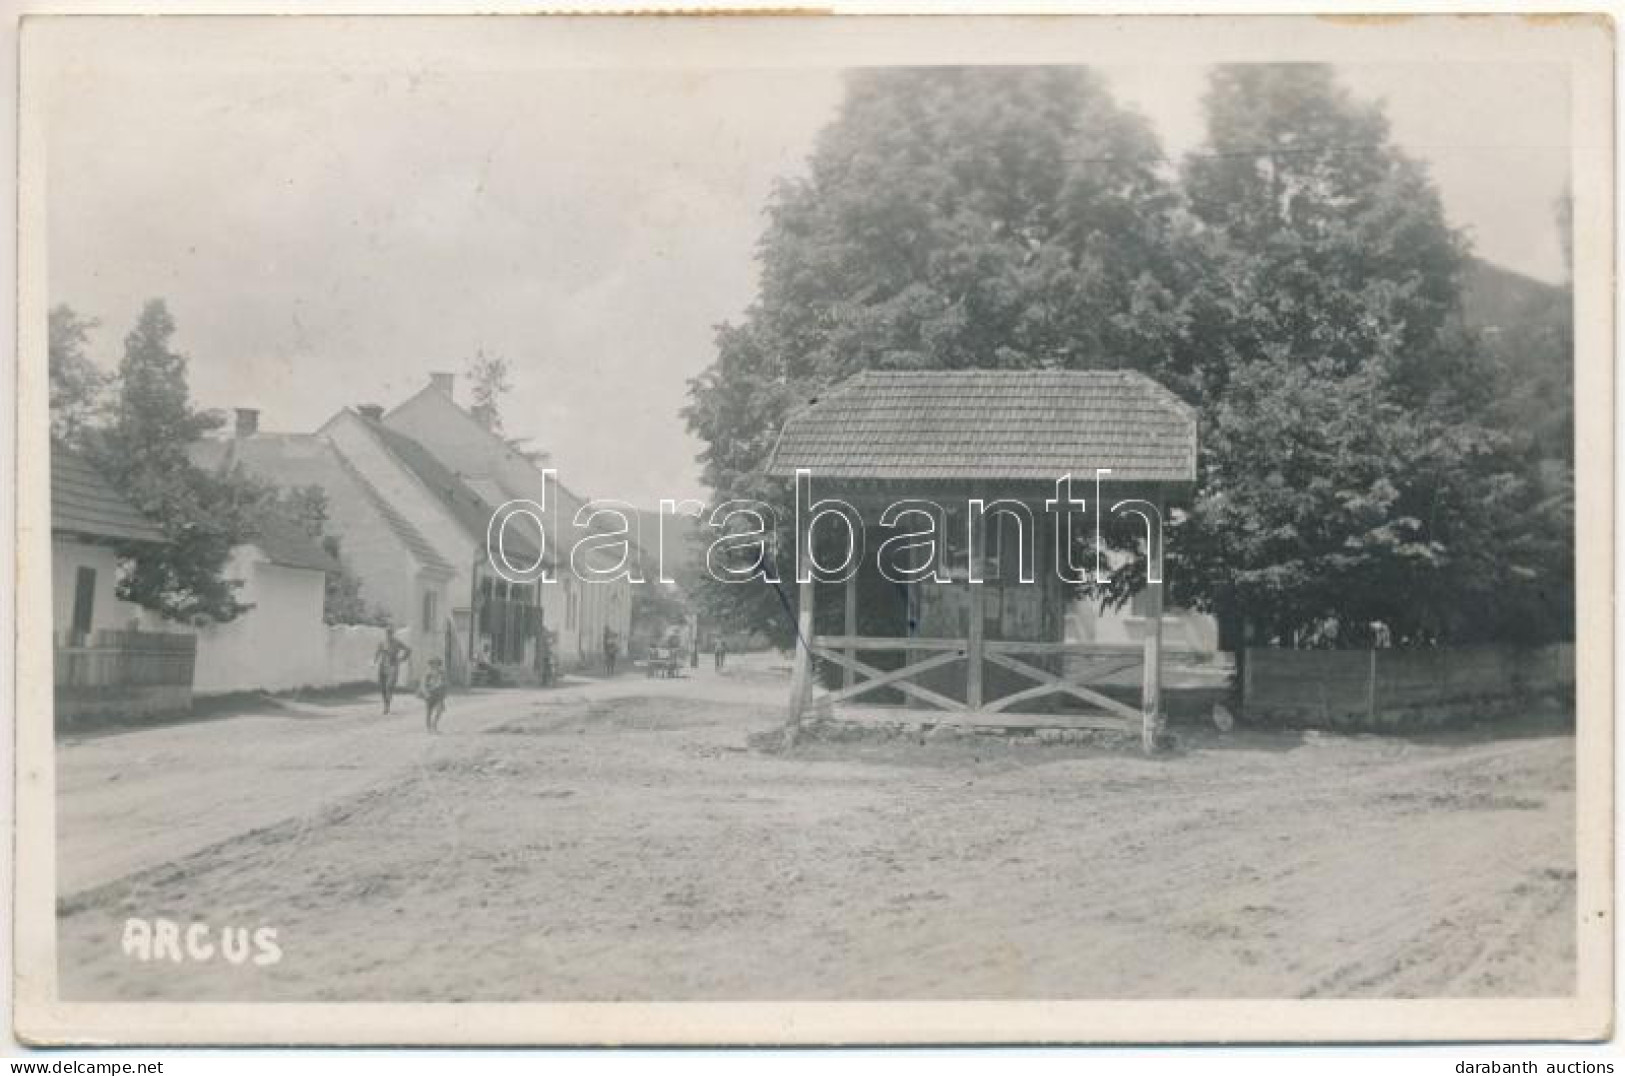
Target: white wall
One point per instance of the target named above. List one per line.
(349, 654)
(67, 557)
(280, 643)
(1181, 628)
(351, 437)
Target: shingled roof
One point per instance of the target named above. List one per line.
(286, 543)
(403, 528)
(85, 504)
(992, 425)
(294, 459)
(470, 510)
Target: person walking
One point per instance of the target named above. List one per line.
(388, 658)
(612, 650)
(721, 652)
(433, 690)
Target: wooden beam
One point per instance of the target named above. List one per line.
(802, 674)
(847, 672)
(1035, 672)
(973, 636)
(894, 678)
(1151, 693)
(987, 719)
(1018, 646)
(968, 719)
(888, 642)
(1049, 683)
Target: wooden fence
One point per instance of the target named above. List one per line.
(1031, 687)
(124, 674)
(1392, 689)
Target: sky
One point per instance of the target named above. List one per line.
(327, 238)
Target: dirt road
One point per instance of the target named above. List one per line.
(131, 800)
(623, 842)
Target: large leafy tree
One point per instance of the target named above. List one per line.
(76, 382)
(142, 448)
(1322, 240)
(949, 218)
(1352, 466)
(1302, 288)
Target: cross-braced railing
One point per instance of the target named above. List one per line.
(1084, 667)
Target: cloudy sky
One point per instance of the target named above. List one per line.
(327, 237)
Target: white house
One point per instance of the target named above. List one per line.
(103, 666)
(282, 641)
(577, 612)
(90, 521)
(401, 572)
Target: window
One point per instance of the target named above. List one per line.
(84, 604)
(429, 609)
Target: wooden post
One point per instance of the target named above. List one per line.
(848, 674)
(801, 675)
(1371, 690)
(973, 635)
(1151, 689)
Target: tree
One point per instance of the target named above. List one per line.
(1305, 297)
(950, 218)
(143, 450)
(489, 377)
(342, 601)
(1351, 465)
(1318, 238)
(76, 383)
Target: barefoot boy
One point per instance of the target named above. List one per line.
(433, 690)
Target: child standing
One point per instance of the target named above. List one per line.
(433, 690)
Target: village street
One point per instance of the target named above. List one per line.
(132, 800)
(565, 844)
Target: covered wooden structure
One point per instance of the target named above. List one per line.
(993, 651)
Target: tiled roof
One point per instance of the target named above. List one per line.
(403, 528)
(286, 543)
(992, 424)
(298, 459)
(562, 502)
(467, 507)
(85, 504)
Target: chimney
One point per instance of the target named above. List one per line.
(442, 380)
(248, 421)
(371, 412)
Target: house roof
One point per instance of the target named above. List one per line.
(567, 500)
(310, 459)
(563, 504)
(404, 529)
(84, 503)
(992, 424)
(286, 543)
(470, 509)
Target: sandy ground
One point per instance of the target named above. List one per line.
(623, 841)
